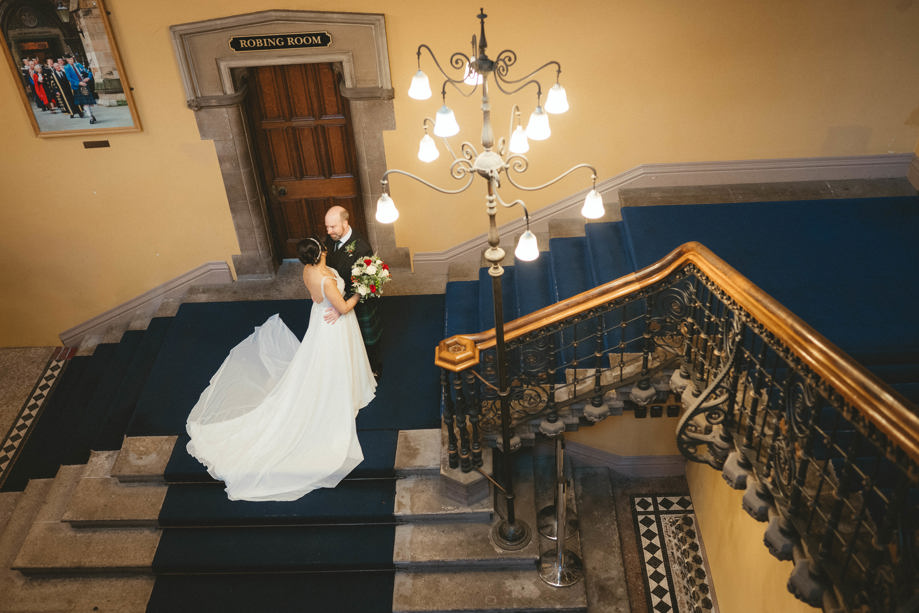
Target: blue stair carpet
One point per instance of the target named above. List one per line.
(91, 406)
(607, 251)
(111, 433)
(214, 546)
(846, 267)
(276, 549)
(274, 593)
(461, 308)
(353, 501)
(202, 335)
(532, 285)
(39, 458)
(570, 265)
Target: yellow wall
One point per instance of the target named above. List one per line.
(746, 577)
(648, 82)
(623, 435)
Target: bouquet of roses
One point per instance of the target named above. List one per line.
(368, 275)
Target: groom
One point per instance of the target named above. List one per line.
(345, 246)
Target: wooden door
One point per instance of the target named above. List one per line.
(303, 134)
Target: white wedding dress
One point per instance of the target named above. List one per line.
(277, 420)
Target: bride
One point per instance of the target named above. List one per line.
(277, 420)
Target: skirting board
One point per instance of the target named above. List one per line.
(693, 173)
(122, 315)
(630, 466)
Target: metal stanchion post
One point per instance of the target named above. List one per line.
(561, 567)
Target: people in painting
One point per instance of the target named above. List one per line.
(63, 91)
(38, 87)
(278, 418)
(25, 73)
(82, 84)
(345, 247)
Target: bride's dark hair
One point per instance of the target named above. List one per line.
(309, 250)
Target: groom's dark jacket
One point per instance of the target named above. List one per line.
(343, 259)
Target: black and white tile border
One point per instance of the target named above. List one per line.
(676, 575)
(22, 426)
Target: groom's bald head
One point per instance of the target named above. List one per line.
(336, 222)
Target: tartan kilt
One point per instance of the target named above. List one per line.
(369, 321)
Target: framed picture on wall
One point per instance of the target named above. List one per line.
(67, 68)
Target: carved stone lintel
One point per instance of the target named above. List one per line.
(367, 93)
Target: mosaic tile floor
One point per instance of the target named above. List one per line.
(22, 426)
(675, 570)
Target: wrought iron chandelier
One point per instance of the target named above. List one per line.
(471, 74)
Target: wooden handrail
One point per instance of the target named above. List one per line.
(889, 411)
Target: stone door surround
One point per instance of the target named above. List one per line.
(213, 76)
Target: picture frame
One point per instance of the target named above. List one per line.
(67, 68)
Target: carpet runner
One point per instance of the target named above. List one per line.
(340, 537)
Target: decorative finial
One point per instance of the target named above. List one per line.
(482, 43)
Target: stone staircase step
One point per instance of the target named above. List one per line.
(124, 594)
(56, 548)
(483, 591)
(8, 502)
(143, 459)
(424, 498)
(17, 526)
(418, 452)
(456, 546)
(51, 546)
(101, 500)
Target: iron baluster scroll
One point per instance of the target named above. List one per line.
(494, 161)
(826, 452)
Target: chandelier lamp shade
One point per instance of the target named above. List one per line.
(427, 148)
(593, 205)
(445, 122)
(386, 209)
(420, 88)
(538, 126)
(500, 163)
(557, 100)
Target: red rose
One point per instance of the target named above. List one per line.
(373, 289)
(368, 261)
(385, 267)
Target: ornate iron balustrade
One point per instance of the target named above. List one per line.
(825, 450)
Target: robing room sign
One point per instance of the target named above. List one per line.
(280, 41)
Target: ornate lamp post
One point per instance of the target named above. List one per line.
(474, 73)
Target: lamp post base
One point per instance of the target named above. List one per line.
(560, 571)
(511, 537)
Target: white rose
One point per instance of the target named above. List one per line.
(385, 273)
(371, 270)
(363, 291)
(355, 272)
